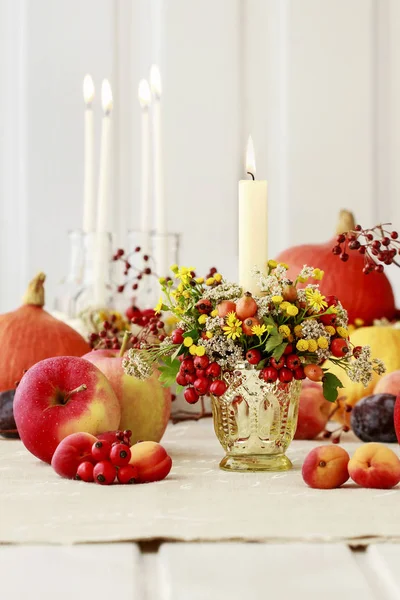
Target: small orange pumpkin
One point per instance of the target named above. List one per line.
(30, 334)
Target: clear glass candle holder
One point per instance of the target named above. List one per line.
(71, 285)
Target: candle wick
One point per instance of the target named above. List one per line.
(250, 173)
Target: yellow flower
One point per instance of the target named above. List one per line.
(199, 280)
(258, 330)
(162, 280)
(231, 318)
(292, 310)
(331, 330)
(284, 305)
(284, 265)
(332, 310)
(210, 281)
(358, 322)
(180, 288)
(200, 351)
(185, 274)
(298, 331)
(188, 341)
(318, 274)
(277, 299)
(218, 277)
(312, 345)
(186, 294)
(214, 313)
(174, 268)
(158, 306)
(315, 299)
(302, 345)
(233, 330)
(322, 342)
(202, 319)
(272, 264)
(209, 335)
(284, 330)
(342, 331)
(302, 279)
(193, 350)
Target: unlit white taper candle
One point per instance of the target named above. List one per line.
(144, 95)
(253, 224)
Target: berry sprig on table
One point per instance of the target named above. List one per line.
(379, 246)
(133, 274)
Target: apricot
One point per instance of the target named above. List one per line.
(226, 307)
(325, 467)
(151, 461)
(246, 307)
(375, 466)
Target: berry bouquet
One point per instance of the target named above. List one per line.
(250, 353)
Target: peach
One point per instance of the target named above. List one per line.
(325, 467)
(389, 384)
(375, 466)
(314, 411)
(71, 452)
(151, 461)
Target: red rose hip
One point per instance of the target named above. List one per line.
(104, 473)
(339, 347)
(85, 472)
(128, 474)
(120, 455)
(101, 450)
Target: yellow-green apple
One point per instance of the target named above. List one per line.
(71, 452)
(389, 384)
(314, 411)
(374, 465)
(325, 467)
(59, 396)
(145, 405)
(151, 461)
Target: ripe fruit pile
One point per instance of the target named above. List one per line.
(109, 458)
(373, 465)
(109, 461)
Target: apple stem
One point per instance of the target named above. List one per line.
(124, 344)
(81, 388)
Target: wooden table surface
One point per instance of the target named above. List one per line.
(142, 567)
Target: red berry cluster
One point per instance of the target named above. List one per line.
(287, 368)
(152, 327)
(378, 245)
(108, 337)
(129, 269)
(109, 460)
(200, 377)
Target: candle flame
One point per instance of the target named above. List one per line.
(144, 93)
(250, 158)
(155, 81)
(88, 89)
(106, 96)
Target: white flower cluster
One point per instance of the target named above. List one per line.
(223, 350)
(137, 364)
(312, 330)
(213, 324)
(224, 291)
(342, 319)
(306, 272)
(263, 303)
(267, 283)
(360, 369)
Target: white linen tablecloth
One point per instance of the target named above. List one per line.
(197, 501)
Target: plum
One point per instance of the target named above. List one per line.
(372, 418)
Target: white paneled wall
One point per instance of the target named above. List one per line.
(317, 84)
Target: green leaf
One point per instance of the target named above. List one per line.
(168, 371)
(178, 389)
(279, 350)
(272, 342)
(330, 385)
(177, 352)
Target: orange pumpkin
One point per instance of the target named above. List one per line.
(30, 334)
(366, 297)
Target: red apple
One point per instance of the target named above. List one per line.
(71, 452)
(396, 417)
(145, 405)
(59, 396)
(314, 411)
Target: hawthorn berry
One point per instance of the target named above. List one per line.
(253, 356)
(285, 375)
(213, 370)
(190, 395)
(277, 364)
(201, 362)
(293, 361)
(218, 388)
(269, 374)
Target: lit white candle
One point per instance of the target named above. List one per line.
(253, 224)
(160, 249)
(102, 259)
(89, 200)
(144, 95)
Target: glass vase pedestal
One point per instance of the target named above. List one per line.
(255, 421)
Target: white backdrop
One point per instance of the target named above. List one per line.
(316, 84)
